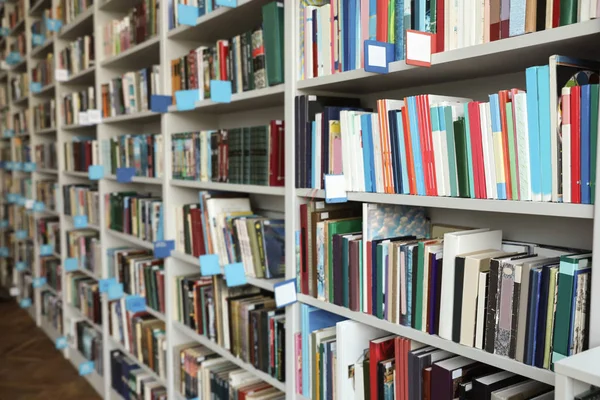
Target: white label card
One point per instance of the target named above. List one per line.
(335, 188)
(94, 116)
(285, 293)
(83, 118)
(29, 204)
(377, 56)
(14, 291)
(418, 47)
(61, 75)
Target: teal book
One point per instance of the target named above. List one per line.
(447, 127)
(336, 227)
(469, 153)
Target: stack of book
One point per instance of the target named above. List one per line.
(135, 214)
(534, 146)
(19, 121)
(235, 233)
(82, 293)
(252, 60)
(46, 191)
(132, 382)
(142, 335)
(385, 366)
(142, 152)
(131, 92)
(44, 116)
(84, 246)
(203, 374)
(78, 55)
(88, 341)
(140, 24)
(332, 34)
(51, 269)
(40, 27)
(69, 10)
(48, 231)
(352, 260)
(253, 155)
(82, 200)
(140, 273)
(52, 311)
(80, 155)
(241, 319)
(19, 85)
(43, 71)
(76, 102)
(46, 156)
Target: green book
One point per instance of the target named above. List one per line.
(336, 227)
(272, 16)
(568, 12)
(469, 153)
(446, 116)
(418, 295)
(512, 151)
(594, 138)
(462, 168)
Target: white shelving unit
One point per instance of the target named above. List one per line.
(472, 72)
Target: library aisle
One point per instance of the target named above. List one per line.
(30, 366)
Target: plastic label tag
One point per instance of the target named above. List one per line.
(71, 264)
(209, 265)
(86, 368)
(220, 91)
(135, 303)
(335, 189)
(39, 282)
(125, 174)
(104, 284)
(80, 221)
(46, 250)
(61, 343)
(285, 293)
(235, 275)
(163, 248)
(25, 303)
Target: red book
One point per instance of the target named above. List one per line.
(430, 190)
(304, 249)
(276, 154)
(382, 24)
(575, 144)
(399, 384)
(555, 13)
(379, 350)
(412, 182)
(439, 34)
(251, 389)
(502, 100)
(160, 278)
(197, 233)
(477, 150)
(223, 49)
(369, 279)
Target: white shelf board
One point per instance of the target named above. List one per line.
(584, 211)
(74, 127)
(19, 66)
(137, 52)
(214, 346)
(470, 62)
(94, 378)
(89, 225)
(504, 363)
(118, 345)
(583, 367)
(86, 272)
(138, 179)
(79, 314)
(43, 48)
(50, 289)
(46, 89)
(21, 101)
(131, 239)
(229, 187)
(19, 26)
(46, 212)
(84, 22)
(47, 171)
(156, 314)
(45, 131)
(81, 76)
(39, 7)
(79, 174)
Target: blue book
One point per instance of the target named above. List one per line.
(404, 188)
(416, 145)
(344, 33)
(171, 15)
(352, 12)
(399, 30)
(497, 129)
(367, 140)
(314, 177)
(420, 15)
(586, 144)
(532, 315)
(540, 335)
(372, 19)
(396, 165)
(543, 83)
(469, 152)
(317, 35)
(535, 166)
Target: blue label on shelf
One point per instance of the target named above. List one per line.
(10, 165)
(4, 223)
(4, 252)
(115, 291)
(35, 87)
(4, 31)
(71, 264)
(125, 174)
(21, 266)
(39, 282)
(220, 91)
(80, 221)
(163, 248)
(209, 265)
(86, 368)
(61, 343)
(14, 57)
(235, 275)
(29, 167)
(160, 103)
(39, 206)
(21, 201)
(285, 293)
(53, 25)
(38, 39)
(96, 172)
(46, 250)
(18, 166)
(186, 99)
(135, 303)
(187, 15)
(21, 234)
(227, 3)
(8, 133)
(12, 197)
(378, 56)
(25, 303)
(104, 284)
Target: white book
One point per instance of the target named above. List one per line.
(308, 42)
(317, 167)
(358, 164)
(459, 243)
(377, 153)
(438, 158)
(345, 117)
(495, 152)
(520, 100)
(325, 39)
(444, 145)
(585, 7)
(524, 390)
(482, 289)
(487, 166)
(566, 144)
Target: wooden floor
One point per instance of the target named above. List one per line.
(30, 367)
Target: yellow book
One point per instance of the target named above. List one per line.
(551, 312)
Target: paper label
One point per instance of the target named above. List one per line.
(94, 116)
(285, 293)
(61, 75)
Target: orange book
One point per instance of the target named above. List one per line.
(383, 139)
(410, 163)
(503, 99)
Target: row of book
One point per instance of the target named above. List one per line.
(47, 192)
(82, 293)
(18, 122)
(143, 152)
(332, 34)
(19, 45)
(204, 7)
(251, 60)
(41, 27)
(22, 151)
(131, 92)
(139, 215)
(88, 341)
(77, 55)
(52, 310)
(23, 252)
(51, 269)
(82, 200)
(241, 319)
(203, 374)
(14, 15)
(43, 71)
(140, 273)
(226, 225)
(46, 156)
(84, 246)
(140, 24)
(3, 99)
(132, 382)
(77, 102)
(48, 232)
(19, 85)
(80, 155)
(358, 361)
(44, 115)
(514, 147)
(384, 260)
(252, 155)
(142, 335)
(68, 10)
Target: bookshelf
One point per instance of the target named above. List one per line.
(471, 71)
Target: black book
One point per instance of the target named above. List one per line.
(483, 386)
